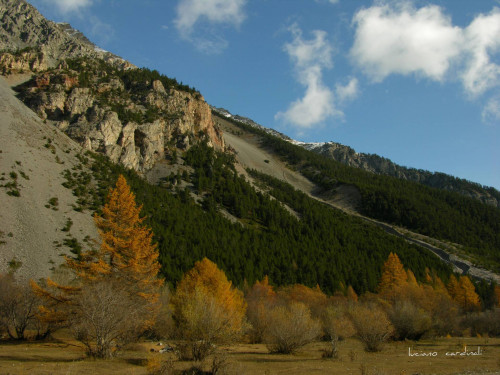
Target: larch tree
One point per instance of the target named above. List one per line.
(207, 308)
(468, 298)
(453, 287)
(393, 276)
(127, 257)
(261, 298)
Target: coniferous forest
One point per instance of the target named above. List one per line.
(308, 243)
(437, 213)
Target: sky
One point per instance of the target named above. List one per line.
(414, 81)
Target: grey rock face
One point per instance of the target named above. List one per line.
(22, 26)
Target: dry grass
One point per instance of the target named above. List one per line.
(65, 356)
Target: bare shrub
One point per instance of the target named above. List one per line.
(409, 321)
(372, 326)
(336, 323)
(157, 365)
(164, 325)
(18, 308)
(289, 328)
(106, 317)
(484, 323)
(220, 364)
(333, 350)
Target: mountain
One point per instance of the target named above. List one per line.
(380, 165)
(210, 185)
(38, 222)
(23, 28)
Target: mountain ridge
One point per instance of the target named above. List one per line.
(381, 165)
(115, 112)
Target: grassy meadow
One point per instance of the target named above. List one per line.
(64, 355)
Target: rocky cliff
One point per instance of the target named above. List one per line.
(128, 115)
(23, 27)
(135, 116)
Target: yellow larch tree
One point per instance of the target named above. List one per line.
(127, 244)
(206, 279)
(453, 287)
(351, 294)
(127, 256)
(393, 275)
(468, 298)
(261, 298)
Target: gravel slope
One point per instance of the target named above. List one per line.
(29, 230)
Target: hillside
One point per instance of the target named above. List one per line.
(380, 165)
(252, 202)
(37, 215)
(473, 232)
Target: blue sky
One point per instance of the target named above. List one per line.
(414, 81)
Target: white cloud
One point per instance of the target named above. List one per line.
(397, 38)
(214, 12)
(70, 6)
(348, 92)
(491, 112)
(482, 39)
(310, 57)
(329, 1)
(404, 40)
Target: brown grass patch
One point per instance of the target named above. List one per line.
(66, 356)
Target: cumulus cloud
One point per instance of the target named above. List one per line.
(70, 6)
(399, 39)
(491, 112)
(191, 13)
(482, 38)
(347, 92)
(310, 57)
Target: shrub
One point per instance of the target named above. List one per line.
(372, 326)
(409, 321)
(18, 307)
(290, 328)
(336, 323)
(105, 317)
(207, 309)
(486, 322)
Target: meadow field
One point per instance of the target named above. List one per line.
(64, 355)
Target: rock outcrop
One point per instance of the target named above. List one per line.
(136, 124)
(136, 119)
(22, 27)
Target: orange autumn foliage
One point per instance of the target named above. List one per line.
(261, 298)
(393, 276)
(126, 253)
(207, 279)
(463, 292)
